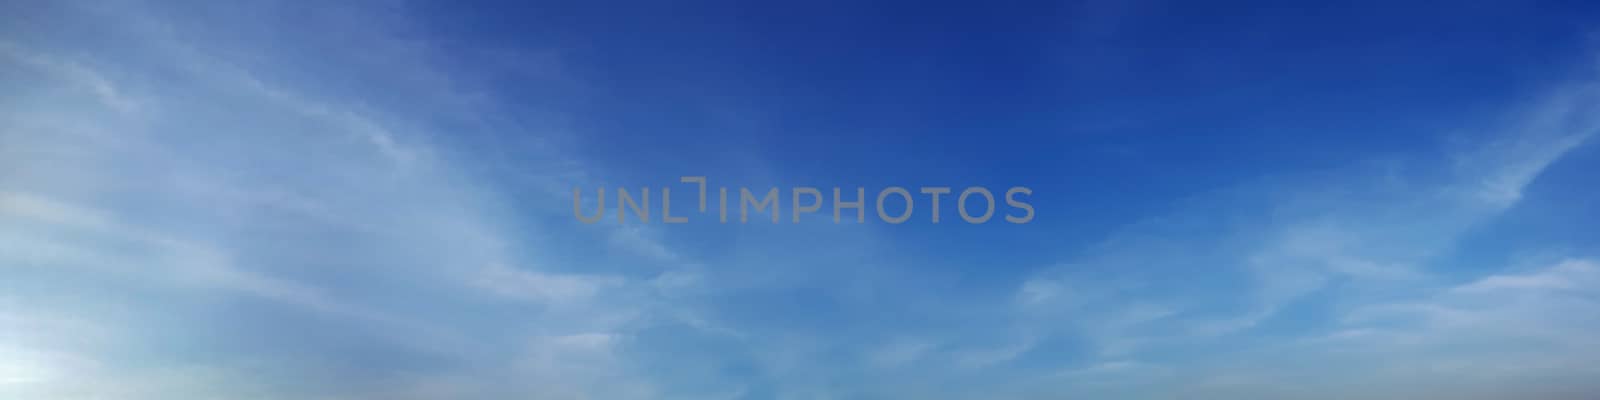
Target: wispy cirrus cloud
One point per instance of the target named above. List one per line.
(176, 166)
(206, 202)
(1352, 236)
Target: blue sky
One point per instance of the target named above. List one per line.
(373, 200)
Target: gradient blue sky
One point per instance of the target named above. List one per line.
(372, 200)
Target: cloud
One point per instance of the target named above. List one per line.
(236, 197)
(1545, 132)
(543, 287)
(986, 357)
(73, 73)
(899, 352)
(1509, 305)
(1479, 339)
(232, 221)
(1567, 275)
(1251, 274)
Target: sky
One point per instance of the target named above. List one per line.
(374, 200)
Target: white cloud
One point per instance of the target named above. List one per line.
(991, 356)
(1513, 306)
(543, 287)
(1037, 291)
(1566, 275)
(76, 74)
(637, 240)
(1336, 238)
(899, 352)
(1561, 123)
(234, 183)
